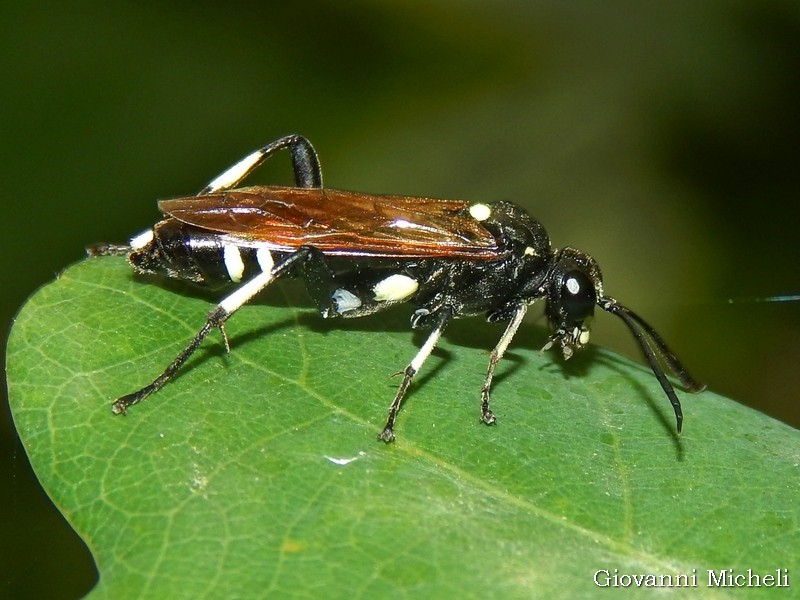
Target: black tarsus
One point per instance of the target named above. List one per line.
(216, 318)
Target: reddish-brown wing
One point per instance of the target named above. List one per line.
(341, 223)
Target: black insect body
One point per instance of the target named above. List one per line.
(360, 253)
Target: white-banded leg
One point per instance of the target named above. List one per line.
(519, 312)
(387, 433)
(307, 173)
(216, 320)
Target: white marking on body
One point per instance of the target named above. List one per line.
(573, 287)
(583, 338)
(265, 259)
(244, 293)
(235, 173)
(140, 241)
(402, 224)
(345, 300)
(234, 264)
(529, 251)
(394, 288)
(480, 212)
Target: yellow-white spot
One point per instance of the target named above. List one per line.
(480, 212)
(233, 262)
(395, 288)
(140, 241)
(265, 259)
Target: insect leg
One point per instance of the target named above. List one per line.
(305, 163)
(215, 320)
(519, 312)
(387, 433)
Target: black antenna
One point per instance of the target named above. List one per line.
(647, 338)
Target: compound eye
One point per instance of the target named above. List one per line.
(578, 296)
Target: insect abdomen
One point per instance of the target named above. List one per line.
(181, 251)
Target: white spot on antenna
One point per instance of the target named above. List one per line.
(394, 288)
(480, 212)
(140, 241)
(233, 262)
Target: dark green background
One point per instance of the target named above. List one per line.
(661, 138)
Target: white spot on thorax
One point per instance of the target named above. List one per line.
(480, 212)
(233, 262)
(140, 241)
(394, 288)
(529, 251)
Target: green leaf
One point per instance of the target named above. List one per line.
(259, 474)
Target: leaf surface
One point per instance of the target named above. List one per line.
(258, 473)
